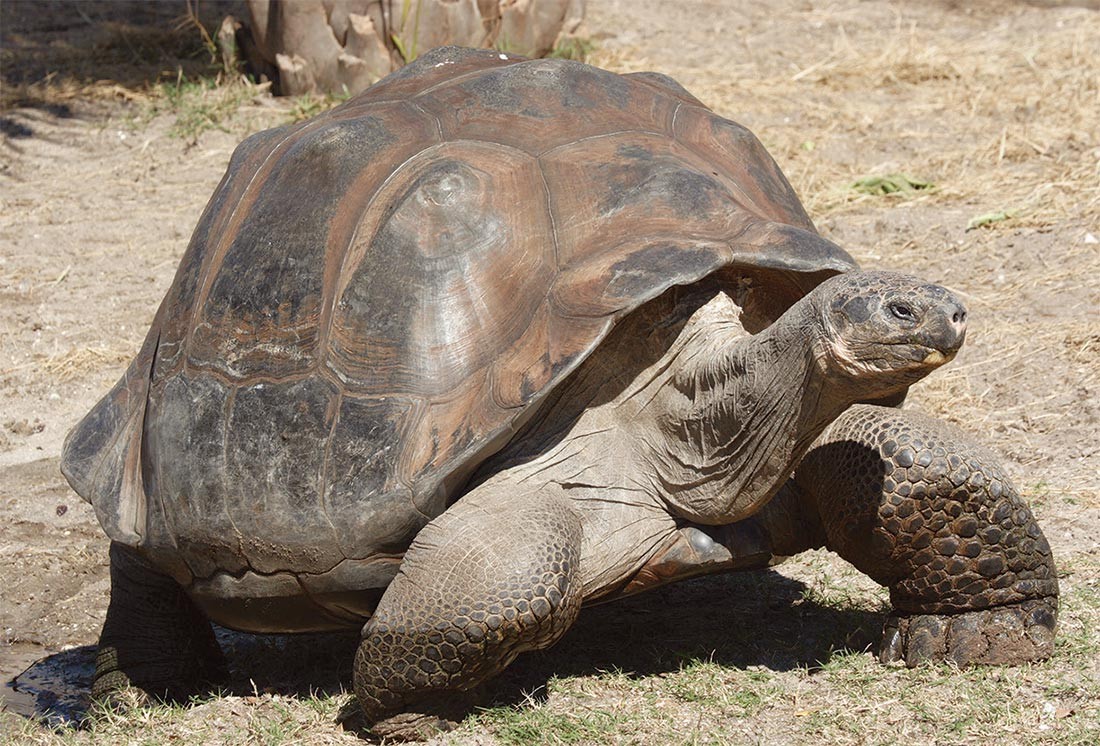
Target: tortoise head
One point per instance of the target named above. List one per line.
(883, 331)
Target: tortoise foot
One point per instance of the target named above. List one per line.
(449, 622)
(1001, 635)
(154, 639)
(424, 719)
(410, 727)
(115, 692)
(130, 685)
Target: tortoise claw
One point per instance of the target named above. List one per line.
(426, 718)
(1002, 635)
(411, 726)
(891, 650)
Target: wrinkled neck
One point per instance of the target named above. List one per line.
(738, 415)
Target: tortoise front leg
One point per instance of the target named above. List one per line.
(914, 504)
(154, 638)
(495, 575)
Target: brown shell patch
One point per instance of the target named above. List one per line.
(274, 474)
(543, 104)
(176, 315)
(371, 509)
(183, 458)
(738, 156)
(261, 313)
(452, 270)
(437, 67)
(638, 187)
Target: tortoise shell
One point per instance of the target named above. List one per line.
(375, 299)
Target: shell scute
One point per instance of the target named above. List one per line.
(449, 440)
(666, 85)
(176, 317)
(183, 460)
(274, 473)
(262, 312)
(738, 155)
(436, 67)
(457, 259)
(370, 507)
(602, 286)
(543, 104)
(636, 184)
(101, 456)
(523, 368)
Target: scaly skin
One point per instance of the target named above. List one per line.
(495, 575)
(153, 637)
(922, 510)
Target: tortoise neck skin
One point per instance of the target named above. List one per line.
(741, 411)
(737, 417)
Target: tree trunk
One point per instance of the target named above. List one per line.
(342, 46)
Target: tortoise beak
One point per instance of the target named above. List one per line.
(946, 330)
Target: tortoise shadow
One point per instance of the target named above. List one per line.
(737, 620)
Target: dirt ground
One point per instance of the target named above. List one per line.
(995, 103)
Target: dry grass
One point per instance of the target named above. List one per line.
(72, 364)
(1021, 103)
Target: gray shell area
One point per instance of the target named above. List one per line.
(373, 300)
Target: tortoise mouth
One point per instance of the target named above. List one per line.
(926, 356)
(936, 357)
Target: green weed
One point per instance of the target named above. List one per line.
(573, 48)
(200, 104)
(989, 218)
(891, 184)
(310, 105)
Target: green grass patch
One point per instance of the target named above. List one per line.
(1078, 634)
(200, 104)
(529, 725)
(735, 692)
(310, 105)
(408, 51)
(573, 48)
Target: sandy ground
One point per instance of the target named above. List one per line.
(996, 103)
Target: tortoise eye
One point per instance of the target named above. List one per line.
(903, 312)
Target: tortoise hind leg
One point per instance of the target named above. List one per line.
(154, 638)
(495, 575)
(914, 504)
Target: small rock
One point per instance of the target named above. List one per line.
(25, 427)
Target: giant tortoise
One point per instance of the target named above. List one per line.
(499, 338)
